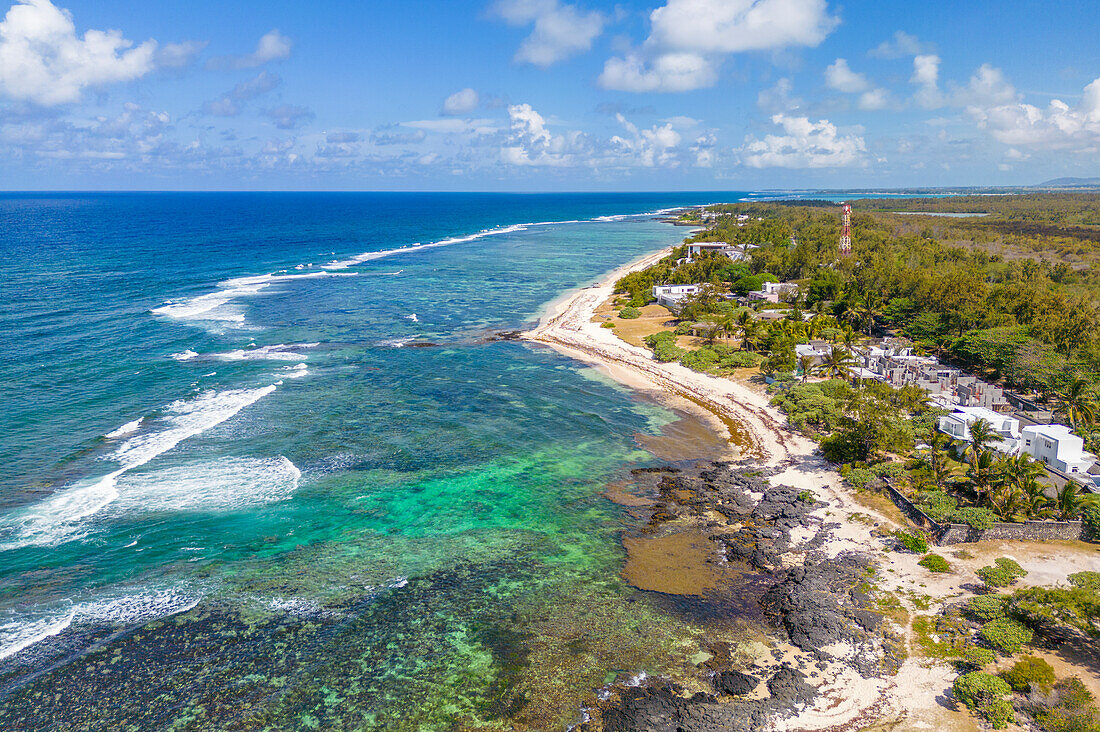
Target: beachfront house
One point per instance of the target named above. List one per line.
(670, 296)
(957, 425)
(1057, 447)
(774, 291)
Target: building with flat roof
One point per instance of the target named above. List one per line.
(1058, 447)
(957, 425)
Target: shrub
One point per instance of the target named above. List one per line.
(998, 713)
(914, 542)
(1069, 708)
(889, 470)
(667, 352)
(1030, 672)
(1002, 573)
(608, 324)
(975, 518)
(939, 506)
(664, 346)
(935, 563)
(859, 477)
(978, 656)
(985, 694)
(683, 328)
(742, 359)
(1085, 580)
(986, 607)
(807, 496)
(1006, 635)
(630, 313)
(1090, 515)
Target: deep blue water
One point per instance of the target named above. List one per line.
(230, 420)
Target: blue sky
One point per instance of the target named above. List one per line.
(532, 95)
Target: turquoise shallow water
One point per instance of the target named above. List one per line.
(264, 468)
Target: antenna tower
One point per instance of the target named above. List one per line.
(846, 230)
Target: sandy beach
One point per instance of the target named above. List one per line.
(917, 697)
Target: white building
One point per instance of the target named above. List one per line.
(1058, 447)
(697, 248)
(671, 295)
(773, 291)
(957, 425)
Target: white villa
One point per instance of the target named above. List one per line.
(957, 425)
(773, 291)
(671, 295)
(1058, 447)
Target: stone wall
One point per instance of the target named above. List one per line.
(946, 534)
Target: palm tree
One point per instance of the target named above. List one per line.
(1070, 501)
(752, 336)
(1008, 502)
(937, 462)
(982, 435)
(837, 363)
(1078, 403)
(1023, 472)
(984, 475)
(1038, 505)
(869, 309)
(806, 364)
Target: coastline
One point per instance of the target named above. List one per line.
(845, 699)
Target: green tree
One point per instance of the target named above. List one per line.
(1078, 403)
(1070, 501)
(836, 364)
(936, 461)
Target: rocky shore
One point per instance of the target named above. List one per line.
(818, 605)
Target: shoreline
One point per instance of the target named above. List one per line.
(845, 699)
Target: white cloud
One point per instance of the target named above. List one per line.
(650, 147)
(900, 46)
(733, 26)
(839, 76)
(670, 72)
(178, 55)
(988, 86)
(560, 30)
(1013, 122)
(42, 60)
(874, 99)
(532, 144)
(289, 116)
(805, 144)
(778, 98)
(231, 104)
(926, 75)
(461, 102)
(272, 46)
(454, 126)
(689, 37)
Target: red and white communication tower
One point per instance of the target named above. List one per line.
(846, 230)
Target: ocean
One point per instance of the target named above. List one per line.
(267, 464)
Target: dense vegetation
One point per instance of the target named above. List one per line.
(1030, 321)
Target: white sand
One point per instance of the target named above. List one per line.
(918, 697)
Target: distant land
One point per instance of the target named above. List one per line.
(1071, 183)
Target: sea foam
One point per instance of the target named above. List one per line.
(62, 516)
(23, 628)
(218, 305)
(226, 484)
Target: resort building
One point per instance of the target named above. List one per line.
(773, 291)
(1057, 447)
(957, 425)
(670, 295)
